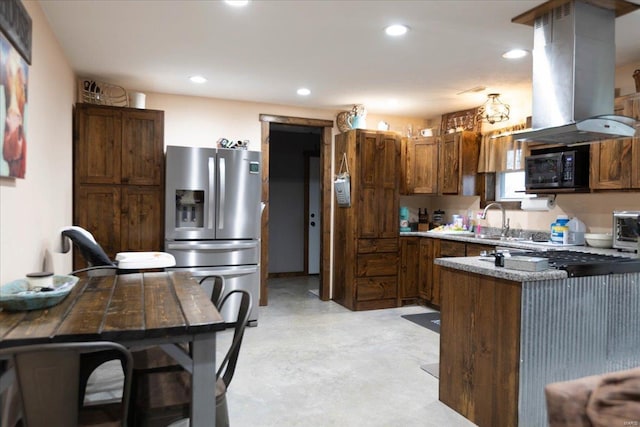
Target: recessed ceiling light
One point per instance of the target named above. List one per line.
(303, 91)
(396, 30)
(197, 79)
(237, 3)
(515, 54)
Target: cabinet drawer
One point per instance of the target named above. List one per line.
(449, 248)
(369, 265)
(368, 246)
(376, 288)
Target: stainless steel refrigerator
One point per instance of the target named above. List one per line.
(213, 217)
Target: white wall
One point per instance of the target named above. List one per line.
(32, 210)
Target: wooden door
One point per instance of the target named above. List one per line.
(367, 152)
(97, 145)
(97, 209)
(424, 156)
(449, 168)
(142, 147)
(408, 271)
(142, 219)
(425, 268)
(610, 165)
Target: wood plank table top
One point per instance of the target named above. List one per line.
(140, 307)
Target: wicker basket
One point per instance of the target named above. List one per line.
(96, 92)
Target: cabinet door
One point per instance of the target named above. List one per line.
(408, 272)
(142, 147)
(379, 164)
(632, 109)
(97, 209)
(142, 219)
(610, 165)
(97, 145)
(421, 166)
(425, 269)
(449, 168)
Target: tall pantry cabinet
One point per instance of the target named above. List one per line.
(118, 177)
(366, 233)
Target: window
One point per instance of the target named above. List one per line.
(510, 185)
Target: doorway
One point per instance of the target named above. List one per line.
(324, 127)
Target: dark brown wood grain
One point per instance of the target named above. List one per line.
(366, 233)
(420, 165)
(425, 269)
(458, 163)
(119, 177)
(124, 308)
(408, 271)
(479, 347)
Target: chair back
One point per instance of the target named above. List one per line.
(47, 376)
(217, 290)
(90, 250)
(228, 365)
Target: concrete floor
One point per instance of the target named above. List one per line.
(315, 363)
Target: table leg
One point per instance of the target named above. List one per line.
(203, 382)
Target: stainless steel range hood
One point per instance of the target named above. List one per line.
(574, 72)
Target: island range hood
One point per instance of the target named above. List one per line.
(574, 72)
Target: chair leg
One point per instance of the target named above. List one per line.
(222, 412)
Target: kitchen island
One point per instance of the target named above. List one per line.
(505, 334)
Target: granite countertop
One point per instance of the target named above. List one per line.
(515, 243)
(485, 265)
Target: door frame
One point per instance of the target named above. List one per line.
(325, 199)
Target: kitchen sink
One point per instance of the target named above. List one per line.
(495, 237)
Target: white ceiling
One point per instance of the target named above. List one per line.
(338, 49)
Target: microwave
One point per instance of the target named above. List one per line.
(626, 227)
(566, 170)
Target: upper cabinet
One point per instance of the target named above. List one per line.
(615, 164)
(119, 145)
(420, 165)
(458, 163)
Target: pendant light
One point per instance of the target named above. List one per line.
(493, 110)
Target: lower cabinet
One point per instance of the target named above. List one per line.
(408, 273)
(418, 276)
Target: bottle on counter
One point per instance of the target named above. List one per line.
(423, 219)
(559, 229)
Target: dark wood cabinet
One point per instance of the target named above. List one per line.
(425, 269)
(366, 233)
(119, 177)
(458, 163)
(420, 165)
(615, 164)
(408, 273)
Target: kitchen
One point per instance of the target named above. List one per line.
(52, 94)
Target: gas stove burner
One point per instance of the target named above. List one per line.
(580, 264)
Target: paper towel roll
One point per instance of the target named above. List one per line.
(537, 204)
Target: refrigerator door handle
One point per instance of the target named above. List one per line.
(211, 192)
(223, 185)
(211, 246)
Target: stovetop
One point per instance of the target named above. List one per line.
(579, 264)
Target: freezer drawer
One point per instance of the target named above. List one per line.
(245, 277)
(214, 252)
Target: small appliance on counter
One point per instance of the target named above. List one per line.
(438, 218)
(423, 219)
(626, 229)
(404, 219)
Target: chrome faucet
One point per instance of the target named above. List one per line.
(505, 220)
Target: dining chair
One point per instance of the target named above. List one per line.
(47, 378)
(164, 396)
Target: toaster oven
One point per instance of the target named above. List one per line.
(626, 227)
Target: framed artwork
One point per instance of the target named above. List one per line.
(15, 57)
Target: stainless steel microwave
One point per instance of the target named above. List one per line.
(557, 170)
(626, 227)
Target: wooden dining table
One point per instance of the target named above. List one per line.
(136, 310)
